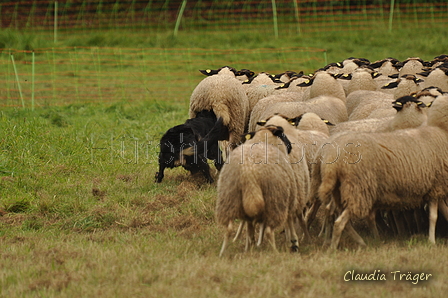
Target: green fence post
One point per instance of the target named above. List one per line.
(391, 14)
(274, 17)
(179, 16)
(17, 80)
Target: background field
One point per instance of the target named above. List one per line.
(79, 212)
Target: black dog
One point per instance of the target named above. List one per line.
(190, 145)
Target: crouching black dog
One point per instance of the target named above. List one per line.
(190, 145)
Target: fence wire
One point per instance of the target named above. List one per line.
(61, 76)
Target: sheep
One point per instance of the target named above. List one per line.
(361, 78)
(326, 107)
(262, 85)
(410, 113)
(323, 83)
(223, 94)
(307, 132)
(428, 94)
(411, 66)
(399, 169)
(257, 185)
(363, 103)
(386, 66)
(177, 143)
(437, 77)
(264, 103)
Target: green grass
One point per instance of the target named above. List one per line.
(81, 214)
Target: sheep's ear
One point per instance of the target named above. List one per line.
(209, 72)
(378, 64)
(328, 122)
(424, 74)
(421, 104)
(248, 136)
(283, 86)
(429, 104)
(394, 76)
(262, 122)
(375, 74)
(418, 80)
(390, 85)
(279, 133)
(294, 121)
(343, 76)
(305, 83)
(397, 105)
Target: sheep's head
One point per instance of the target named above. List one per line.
(402, 101)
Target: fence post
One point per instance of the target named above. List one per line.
(17, 79)
(55, 21)
(296, 10)
(179, 16)
(391, 14)
(274, 16)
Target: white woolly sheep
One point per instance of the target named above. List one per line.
(410, 114)
(370, 101)
(257, 185)
(437, 77)
(323, 83)
(399, 169)
(224, 95)
(264, 103)
(326, 107)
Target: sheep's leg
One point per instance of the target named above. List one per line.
(443, 208)
(250, 236)
(292, 235)
(372, 224)
(226, 238)
(327, 222)
(261, 234)
(354, 235)
(432, 220)
(311, 212)
(303, 226)
(398, 219)
(271, 238)
(339, 226)
(240, 229)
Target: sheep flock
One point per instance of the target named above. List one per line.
(355, 146)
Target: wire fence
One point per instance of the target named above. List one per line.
(57, 76)
(303, 15)
(69, 75)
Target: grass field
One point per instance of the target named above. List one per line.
(81, 216)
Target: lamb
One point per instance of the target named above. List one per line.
(257, 185)
(399, 169)
(223, 94)
(326, 107)
(410, 114)
(178, 144)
